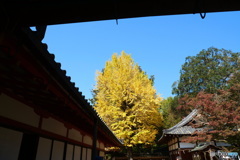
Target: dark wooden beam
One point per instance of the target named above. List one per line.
(47, 12)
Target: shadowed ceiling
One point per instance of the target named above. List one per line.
(48, 12)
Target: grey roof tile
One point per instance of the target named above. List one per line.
(181, 128)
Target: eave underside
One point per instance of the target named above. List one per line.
(47, 12)
(29, 74)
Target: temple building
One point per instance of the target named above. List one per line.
(175, 137)
(43, 116)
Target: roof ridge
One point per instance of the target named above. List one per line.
(184, 121)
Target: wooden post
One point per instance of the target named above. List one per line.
(94, 144)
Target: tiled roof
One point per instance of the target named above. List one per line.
(181, 128)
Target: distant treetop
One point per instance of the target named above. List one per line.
(208, 71)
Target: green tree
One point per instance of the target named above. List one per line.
(171, 115)
(126, 100)
(208, 71)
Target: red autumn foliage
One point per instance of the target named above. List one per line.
(219, 115)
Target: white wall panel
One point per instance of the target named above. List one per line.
(54, 126)
(69, 154)
(57, 151)
(75, 134)
(89, 154)
(102, 146)
(187, 145)
(15, 110)
(10, 143)
(44, 149)
(77, 153)
(87, 140)
(84, 155)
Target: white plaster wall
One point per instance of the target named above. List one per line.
(87, 140)
(89, 154)
(10, 143)
(77, 152)
(187, 145)
(44, 149)
(54, 126)
(57, 151)
(84, 154)
(15, 110)
(75, 135)
(69, 154)
(102, 145)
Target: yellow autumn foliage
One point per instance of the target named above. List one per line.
(127, 101)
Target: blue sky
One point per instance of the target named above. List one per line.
(158, 44)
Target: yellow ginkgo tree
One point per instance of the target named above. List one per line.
(126, 100)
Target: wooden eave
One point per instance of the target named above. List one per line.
(48, 12)
(29, 73)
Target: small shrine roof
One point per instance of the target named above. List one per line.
(181, 128)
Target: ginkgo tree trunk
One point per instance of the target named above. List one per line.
(125, 98)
